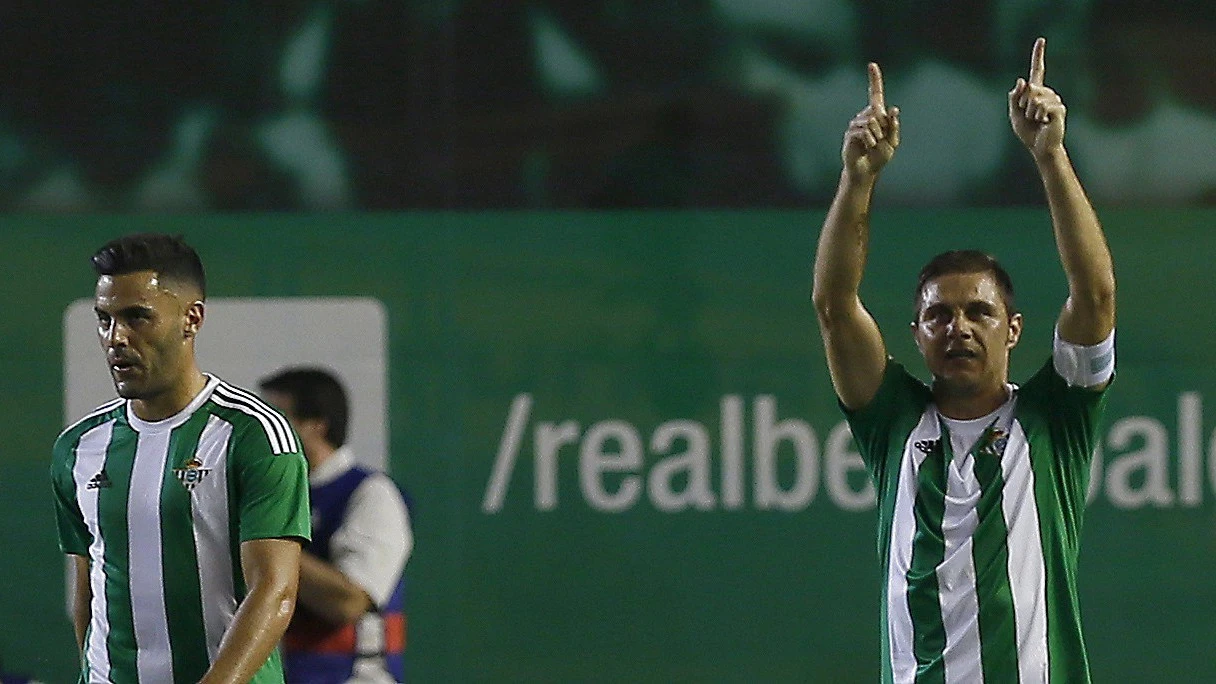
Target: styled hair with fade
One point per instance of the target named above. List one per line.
(168, 255)
(967, 261)
(315, 393)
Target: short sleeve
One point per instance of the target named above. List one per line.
(1073, 413)
(896, 406)
(271, 489)
(374, 541)
(74, 536)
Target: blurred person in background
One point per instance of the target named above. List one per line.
(350, 622)
(981, 483)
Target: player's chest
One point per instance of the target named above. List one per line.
(162, 476)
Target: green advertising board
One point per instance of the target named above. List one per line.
(625, 454)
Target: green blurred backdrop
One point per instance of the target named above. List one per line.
(634, 548)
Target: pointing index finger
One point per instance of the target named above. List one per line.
(1037, 66)
(877, 103)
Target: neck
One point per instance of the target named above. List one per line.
(172, 400)
(963, 405)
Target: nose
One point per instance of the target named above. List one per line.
(114, 335)
(959, 327)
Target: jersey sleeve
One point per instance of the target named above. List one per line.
(74, 536)
(1073, 412)
(897, 404)
(272, 489)
(374, 541)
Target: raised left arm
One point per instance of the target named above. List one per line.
(272, 570)
(1037, 115)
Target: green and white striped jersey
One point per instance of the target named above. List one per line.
(160, 510)
(979, 543)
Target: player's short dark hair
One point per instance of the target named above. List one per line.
(315, 393)
(168, 255)
(967, 261)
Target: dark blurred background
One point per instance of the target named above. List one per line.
(288, 105)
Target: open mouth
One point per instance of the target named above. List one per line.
(961, 354)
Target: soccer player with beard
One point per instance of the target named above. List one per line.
(182, 503)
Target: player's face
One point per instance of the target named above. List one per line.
(965, 333)
(146, 330)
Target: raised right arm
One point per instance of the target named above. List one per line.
(856, 354)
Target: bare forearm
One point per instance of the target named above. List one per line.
(1082, 246)
(256, 630)
(843, 244)
(327, 592)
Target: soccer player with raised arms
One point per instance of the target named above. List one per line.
(981, 483)
(182, 503)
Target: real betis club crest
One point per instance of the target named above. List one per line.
(992, 442)
(191, 474)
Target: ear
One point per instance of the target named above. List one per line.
(914, 329)
(194, 319)
(1015, 331)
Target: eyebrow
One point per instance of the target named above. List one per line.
(934, 308)
(982, 304)
(126, 311)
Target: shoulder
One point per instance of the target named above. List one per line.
(380, 482)
(378, 491)
(909, 383)
(254, 421)
(1048, 397)
(106, 412)
(899, 392)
